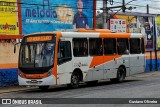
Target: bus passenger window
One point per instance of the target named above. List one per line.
(122, 46)
(95, 46)
(109, 46)
(135, 46)
(80, 47)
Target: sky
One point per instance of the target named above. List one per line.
(154, 5)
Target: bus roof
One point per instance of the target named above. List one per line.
(94, 30)
(102, 33)
(77, 30)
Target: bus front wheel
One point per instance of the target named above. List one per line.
(74, 80)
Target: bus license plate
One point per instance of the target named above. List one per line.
(34, 81)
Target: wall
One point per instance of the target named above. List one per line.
(8, 62)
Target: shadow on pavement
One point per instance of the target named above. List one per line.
(84, 85)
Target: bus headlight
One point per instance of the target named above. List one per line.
(49, 72)
(20, 74)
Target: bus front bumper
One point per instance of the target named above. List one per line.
(51, 80)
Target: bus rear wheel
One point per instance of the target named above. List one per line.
(44, 88)
(74, 80)
(120, 75)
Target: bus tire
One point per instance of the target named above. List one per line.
(120, 75)
(44, 88)
(74, 80)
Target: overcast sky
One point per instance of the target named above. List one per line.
(139, 4)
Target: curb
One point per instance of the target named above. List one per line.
(146, 74)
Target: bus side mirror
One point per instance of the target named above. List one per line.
(15, 46)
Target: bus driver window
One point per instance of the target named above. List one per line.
(64, 52)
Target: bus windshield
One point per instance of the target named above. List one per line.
(36, 55)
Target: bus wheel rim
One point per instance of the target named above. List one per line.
(74, 79)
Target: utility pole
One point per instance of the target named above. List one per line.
(105, 11)
(123, 6)
(147, 9)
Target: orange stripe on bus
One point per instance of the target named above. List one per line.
(98, 60)
(5, 66)
(54, 72)
(115, 35)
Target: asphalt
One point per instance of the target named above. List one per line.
(14, 89)
(21, 88)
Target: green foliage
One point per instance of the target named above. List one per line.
(100, 26)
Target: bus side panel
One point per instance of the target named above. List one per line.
(137, 63)
(64, 73)
(83, 63)
(88, 76)
(98, 68)
(110, 68)
(137, 58)
(125, 61)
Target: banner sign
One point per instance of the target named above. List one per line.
(118, 25)
(8, 17)
(158, 31)
(146, 26)
(55, 15)
(138, 24)
(131, 22)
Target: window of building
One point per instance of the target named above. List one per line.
(122, 46)
(109, 46)
(135, 46)
(80, 47)
(95, 47)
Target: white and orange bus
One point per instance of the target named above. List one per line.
(55, 58)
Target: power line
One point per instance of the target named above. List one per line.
(56, 5)
(139, 5)
(32, 5)
(29, 5)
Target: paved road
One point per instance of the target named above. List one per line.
(138, 86)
